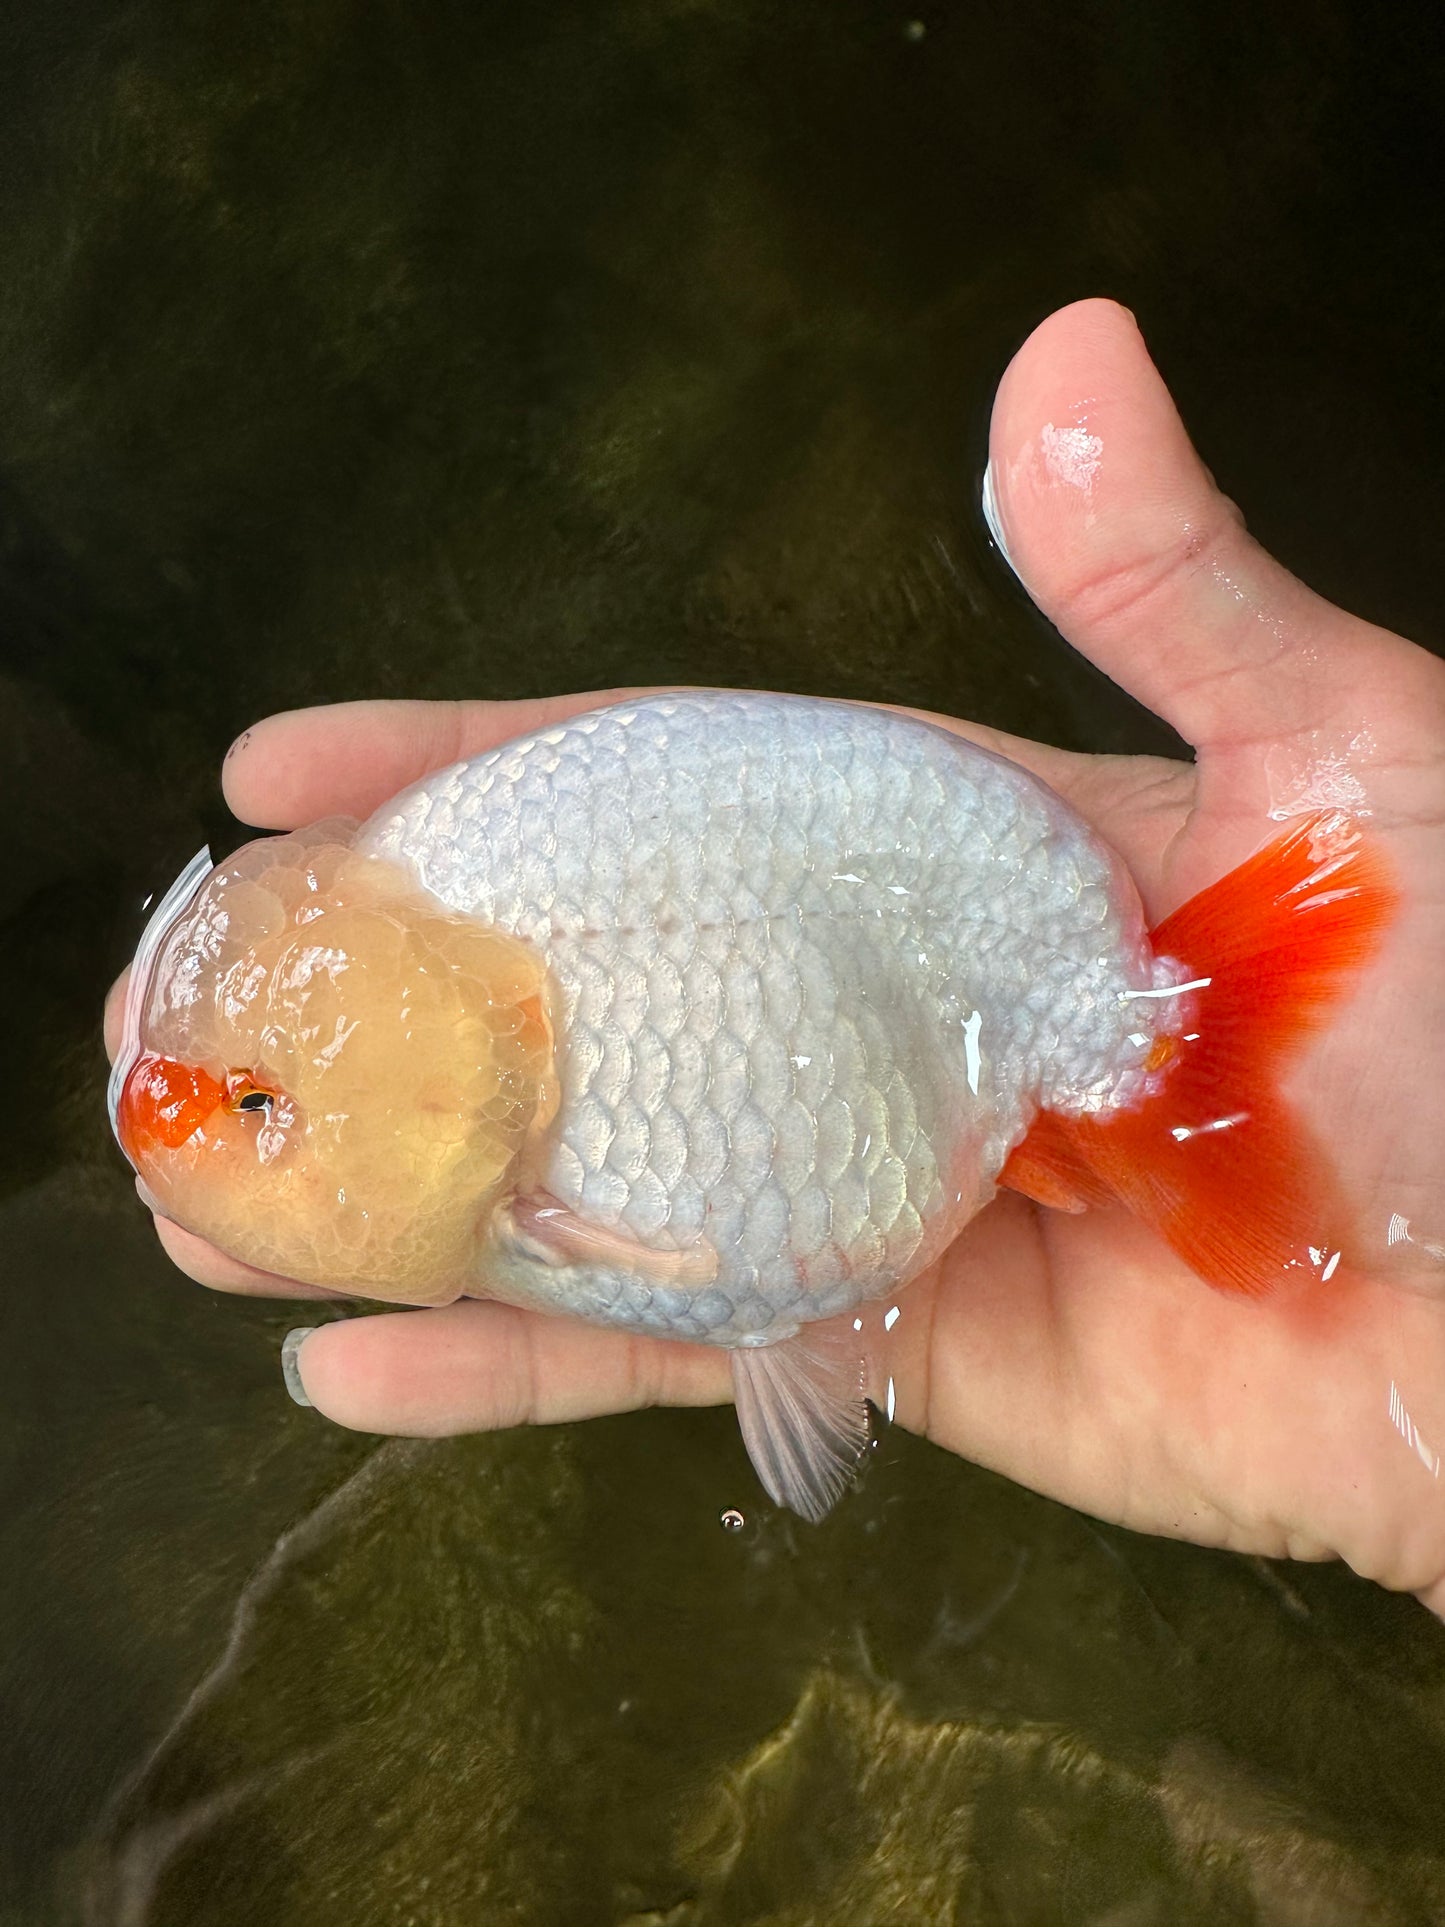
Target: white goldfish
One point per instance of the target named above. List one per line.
(712, 1016)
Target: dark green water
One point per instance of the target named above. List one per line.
(465, 349)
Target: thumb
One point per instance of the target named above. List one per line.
(1117, 530)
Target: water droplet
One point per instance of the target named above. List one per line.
(731, 1520)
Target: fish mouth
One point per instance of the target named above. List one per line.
(172, 905)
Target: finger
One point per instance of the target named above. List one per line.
(346, 759)
(115, 1013)
(217, 1272)
(1117, 530)
(481, 1367)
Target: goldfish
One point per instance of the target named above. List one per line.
(715, 1016)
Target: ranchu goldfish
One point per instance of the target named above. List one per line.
(712, 1016)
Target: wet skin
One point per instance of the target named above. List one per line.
(1073, 1353)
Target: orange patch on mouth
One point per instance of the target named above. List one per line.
(165, 1102)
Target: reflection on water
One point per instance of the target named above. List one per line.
(485, 351)
(449, 1692)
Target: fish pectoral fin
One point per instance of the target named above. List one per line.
(804, 1418)
(554, 1234)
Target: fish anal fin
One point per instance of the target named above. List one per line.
(1047, 1166)
(803, 1416)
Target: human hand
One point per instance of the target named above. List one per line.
(1075, 1353)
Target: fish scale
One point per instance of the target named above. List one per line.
(769, 924)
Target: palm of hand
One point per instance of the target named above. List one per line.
(1078, 1355)
(1074, 1353)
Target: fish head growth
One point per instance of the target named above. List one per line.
(329, 1075)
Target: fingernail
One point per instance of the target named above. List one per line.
(290, 1367)
(992, 518)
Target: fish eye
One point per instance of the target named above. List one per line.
(246, 1096)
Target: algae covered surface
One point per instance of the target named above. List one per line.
(357, 350)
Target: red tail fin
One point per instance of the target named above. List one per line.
(1215, 1161)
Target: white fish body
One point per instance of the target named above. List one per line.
(815, 966)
